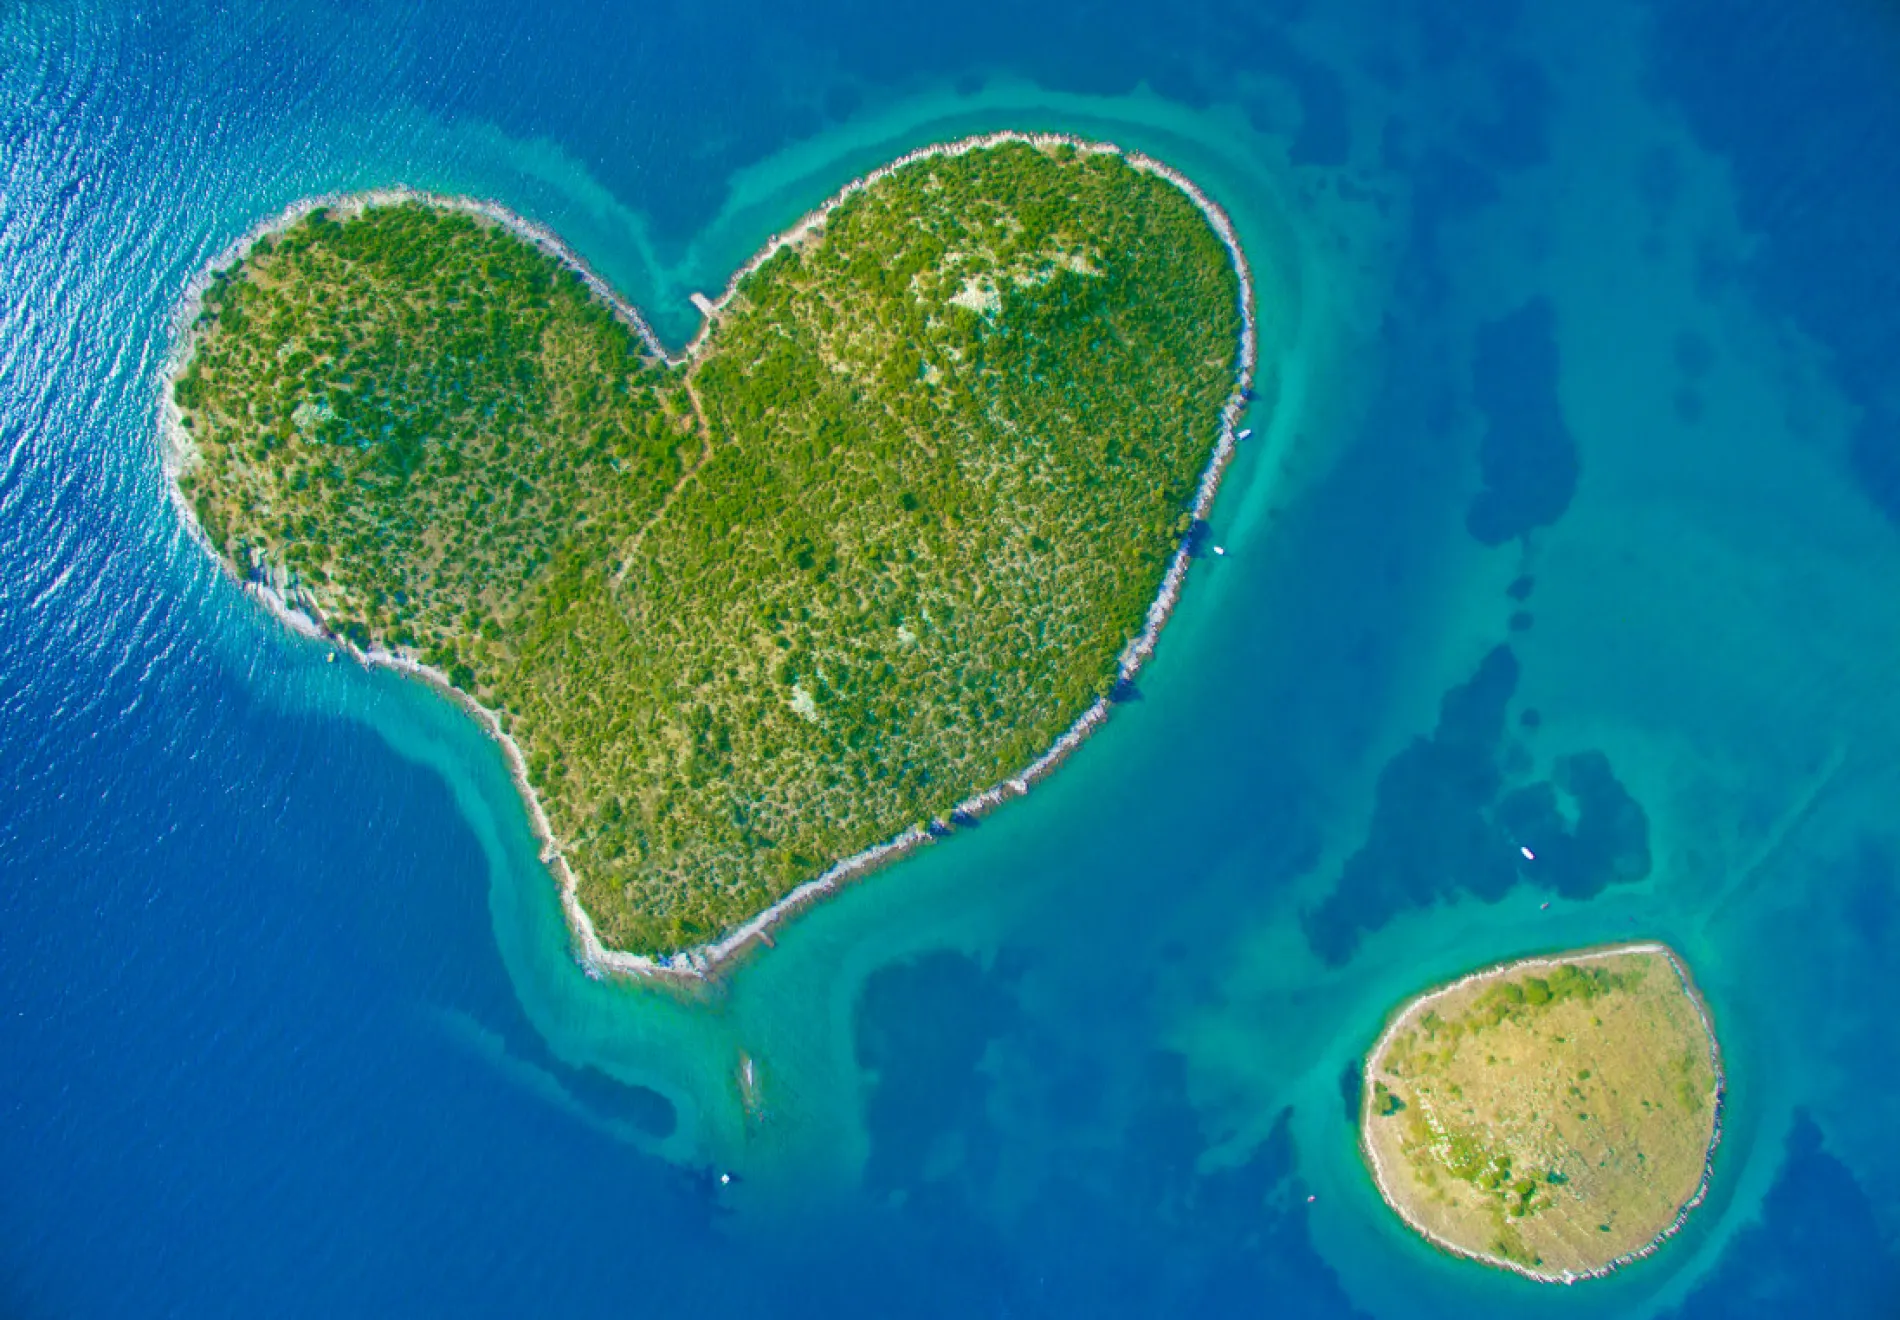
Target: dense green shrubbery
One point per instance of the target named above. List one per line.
(1512, 999)
(867, 554)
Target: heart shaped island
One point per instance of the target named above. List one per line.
(866, 558)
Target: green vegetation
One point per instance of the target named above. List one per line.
(1556, 1119)
(1519, 1000)
(868, 553)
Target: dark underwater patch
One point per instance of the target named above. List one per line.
(1232, 1235)
(1352, 1086)
(1873, 893)
(1324, 137)
(1822, 107)
(1608, 842)
(619, 1101)
(1874, 460)
(1817, 1250)
(1446, 821)
(1446, 187)
(922, 1029)
(1429, 833)
(1129, 1225)
(1527, 456)
(1516, 135)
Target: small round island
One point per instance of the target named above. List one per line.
(1554, 1116)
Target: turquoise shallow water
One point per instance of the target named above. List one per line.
(1577, 353)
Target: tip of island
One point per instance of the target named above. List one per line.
(1554, 1116)
(869, 556)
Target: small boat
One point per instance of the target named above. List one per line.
(1220, 549)
(1246, 434)
(1529, 856)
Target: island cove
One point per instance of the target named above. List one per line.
(870, 556)
(1555, 1116)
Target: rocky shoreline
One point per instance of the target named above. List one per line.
(283, 600)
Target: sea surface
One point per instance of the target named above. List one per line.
(1572, 518)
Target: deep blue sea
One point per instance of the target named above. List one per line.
(1572, 517)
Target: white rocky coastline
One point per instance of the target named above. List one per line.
(1418, 1004)
(280, 597)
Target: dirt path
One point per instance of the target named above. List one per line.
(666, 502)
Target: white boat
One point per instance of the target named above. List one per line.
(1244, 434)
